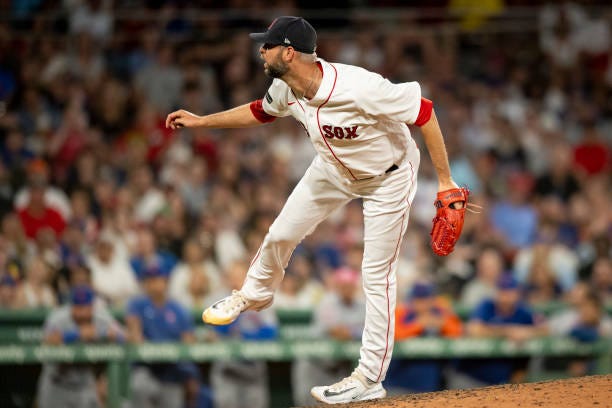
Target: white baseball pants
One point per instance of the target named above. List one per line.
(386, 205)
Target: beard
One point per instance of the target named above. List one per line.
(276, 69)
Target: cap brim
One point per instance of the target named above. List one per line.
(259, 37)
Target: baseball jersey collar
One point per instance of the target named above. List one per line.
(327, 85)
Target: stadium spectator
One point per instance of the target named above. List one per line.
(504, 316)
(14, 152)
(111, 274)
(160, 81)
(15, 243)
(36, 291)
(559, 31)
(48, 247)
(514, 216)
(599, 247)
(243, 383)
(93, 17)
(73, 273)
(194, 187)
(81, 321)
(489, 268)
(83, 214)
(71, 245)
(69, 140)
(150, 138)
(153, 317)
(38, 178)
(601, 278)
(7, 190)
(558, 180)
(586, 322)
(150, 199)
(299, 290)
(554, 258)
(8, 292)
(422, 315)
(338, 316)
(592, 155)
(170, 225)
(541, 286)
(555, 225)
(147, 254)
(195, 278)
(37, 216)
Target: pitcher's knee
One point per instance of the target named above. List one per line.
(277, 237)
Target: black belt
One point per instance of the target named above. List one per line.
(389, 170)
(392, 168)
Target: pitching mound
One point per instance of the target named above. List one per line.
(595, 391)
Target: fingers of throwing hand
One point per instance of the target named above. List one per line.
(171, 119)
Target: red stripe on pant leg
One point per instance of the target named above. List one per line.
(382, 364)
(387, 294)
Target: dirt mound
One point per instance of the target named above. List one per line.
(594, 391)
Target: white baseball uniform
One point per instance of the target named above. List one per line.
(357, 124)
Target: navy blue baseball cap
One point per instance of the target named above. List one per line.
(422, 291)
(507, 282)
(82, 295)
(154, 271)
(289, 31)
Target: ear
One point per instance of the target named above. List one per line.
(289, 54)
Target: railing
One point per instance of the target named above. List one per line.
(288, 316)
(435, 348)
(25, 326)
(118, 357)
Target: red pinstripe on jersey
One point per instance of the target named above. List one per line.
(321, 131)
(296, 99)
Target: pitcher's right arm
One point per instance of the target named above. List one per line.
(247, 115)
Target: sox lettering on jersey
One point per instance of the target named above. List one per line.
(339, 132)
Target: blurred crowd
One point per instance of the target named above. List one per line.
(101, 205)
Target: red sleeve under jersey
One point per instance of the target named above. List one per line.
(424, 112)
(259, 113)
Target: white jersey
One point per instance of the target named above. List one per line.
(357, 119)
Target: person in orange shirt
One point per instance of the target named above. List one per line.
(423, 314)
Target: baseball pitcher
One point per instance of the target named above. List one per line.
(356, 120)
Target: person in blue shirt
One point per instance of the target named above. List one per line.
(504, 316)
(514, 217)
(148, 254)
(155, 318)
(243, 383)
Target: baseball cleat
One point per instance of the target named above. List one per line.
(351, 389)
(226, 310)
